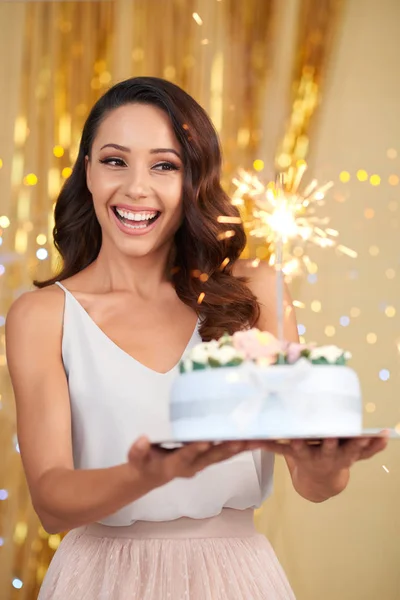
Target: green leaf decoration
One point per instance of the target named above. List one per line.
(234, 363)
(199, 366)
(213, 363)
(226, 340)
(320, 361)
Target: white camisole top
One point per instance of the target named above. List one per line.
(115, 399)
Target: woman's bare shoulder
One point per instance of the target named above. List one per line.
(257, 273)
(36, 309)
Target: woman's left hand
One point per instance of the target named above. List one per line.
(322, 471)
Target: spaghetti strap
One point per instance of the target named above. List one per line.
(60, 285)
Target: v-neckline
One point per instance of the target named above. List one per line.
(121, 350)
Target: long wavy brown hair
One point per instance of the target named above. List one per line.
(205, 249)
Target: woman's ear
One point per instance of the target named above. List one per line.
(87, 170)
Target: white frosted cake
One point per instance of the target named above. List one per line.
(250, 386)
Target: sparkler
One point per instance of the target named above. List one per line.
(284, 216)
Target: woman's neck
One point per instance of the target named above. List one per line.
(142, 276)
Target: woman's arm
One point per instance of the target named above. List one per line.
(62, 497)
(65, 498)
(317, 474)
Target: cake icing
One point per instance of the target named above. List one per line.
(250, 385)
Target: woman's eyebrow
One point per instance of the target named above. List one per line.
(152, 151)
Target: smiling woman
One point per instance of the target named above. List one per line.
(147, 147)
(93, 359)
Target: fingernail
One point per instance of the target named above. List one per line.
(204, 446)
(141, 444)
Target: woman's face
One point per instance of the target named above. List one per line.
(135, 175)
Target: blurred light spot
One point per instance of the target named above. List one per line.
(42, 253)
(316, 306)
(2, 270)
(4, 222)
(298, 251)
(3, 494)
(205, 42)
(262, 252)
(284, 160)
(58, 151)
(397, 428)
(374, 180)
(301, 329)
(344, 321)
(302, 339)
(54, 541)
(371, 338)
(1, 163)
(312, 268)
(197, 18)
(344, 176)
(66, 172)
(390, 273)
(330, 331)
(30, 179)
(17, 584)
(200, 298)
(369, 213)
(353, 274)
(170, 72)
(362, 175)
(384, 374)
(385, 468)
(391, 153)
(1, 241)
(298, 304)
(95, 83)
(312, 278)
(1, 541)
(373, 250)
(370, 407)
(2, 320)
(41, 239)
(21, 529)
(258, 164)
(393, 180)
(105, 77)
(390, 311)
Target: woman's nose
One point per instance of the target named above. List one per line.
(137, 184)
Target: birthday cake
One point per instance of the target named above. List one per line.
(251, 386)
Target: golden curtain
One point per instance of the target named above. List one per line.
(257, 68)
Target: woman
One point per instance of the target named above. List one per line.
(92, 360)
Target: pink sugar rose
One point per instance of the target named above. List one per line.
(293, 351)
(257, 344)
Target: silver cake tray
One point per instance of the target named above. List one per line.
(311, 440)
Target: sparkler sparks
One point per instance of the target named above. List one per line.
(283, 211)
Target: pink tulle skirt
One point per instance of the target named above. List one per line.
(221, 558)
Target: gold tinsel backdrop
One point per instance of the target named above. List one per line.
(282, 81)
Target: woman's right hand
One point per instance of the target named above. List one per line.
(156, 467)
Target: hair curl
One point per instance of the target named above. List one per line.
(203, 258)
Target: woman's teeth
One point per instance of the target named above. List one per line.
(135, 220)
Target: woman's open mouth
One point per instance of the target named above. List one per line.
(135, 221)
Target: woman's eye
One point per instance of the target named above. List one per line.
(165, 166)
(114, 162)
